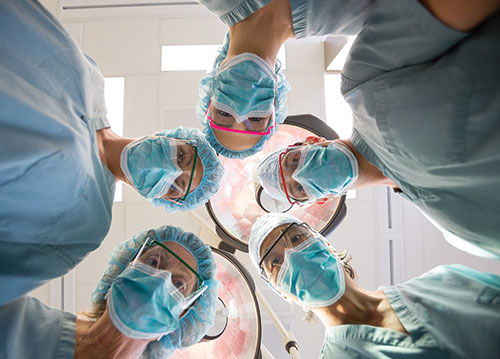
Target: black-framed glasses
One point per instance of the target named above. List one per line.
(294, 235)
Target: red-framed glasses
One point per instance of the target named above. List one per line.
(282, 176)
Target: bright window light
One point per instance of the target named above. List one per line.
(114, 92)
(282, 57)
(196, 57)
(338, 62)
(188, 57)
(338, 112)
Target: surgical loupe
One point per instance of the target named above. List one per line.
(237, 329)
(240, 201)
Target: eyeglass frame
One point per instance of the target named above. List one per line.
(282, 176)
(180, 200)
(214, 125)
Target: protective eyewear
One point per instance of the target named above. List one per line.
(293, 236)
(176, 186)
(162, 259)
(224, 121)
(287, 178)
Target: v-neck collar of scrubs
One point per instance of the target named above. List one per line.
(418, 337)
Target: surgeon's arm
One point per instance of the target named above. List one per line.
(30, 329)
(461, 15)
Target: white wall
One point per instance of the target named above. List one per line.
(130, 47)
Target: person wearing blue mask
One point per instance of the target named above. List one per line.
(242, 101)
(240, 82)
(421, 80)
(158, 295)
(315, 169)
(59, 158)
(451, 311)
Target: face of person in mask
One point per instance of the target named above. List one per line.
(302, 266)
(150, 296)
(241, 108)
(162, 167)
(315, 169)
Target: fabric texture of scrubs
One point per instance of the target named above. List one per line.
(426, 104)
(55, 193)
(449, 312)
(310, 18)
(30, 329)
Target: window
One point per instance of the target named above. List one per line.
(188, 57)
(338, 62)
(114, 92)
(196, 57)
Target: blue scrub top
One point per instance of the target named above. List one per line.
(310, 17)
(30, 329)
(55, 193)
(426, 105)
(450, 312)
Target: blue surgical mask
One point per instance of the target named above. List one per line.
(312, 274)
(144, 303)
(245, 87)
(324, 171)
(150, 164)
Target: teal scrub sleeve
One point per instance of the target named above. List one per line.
(397, 34)
(30, 329)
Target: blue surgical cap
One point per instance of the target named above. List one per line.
(212, 170)
(199, 319)
(207, 88)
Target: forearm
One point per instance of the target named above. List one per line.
(461, 15)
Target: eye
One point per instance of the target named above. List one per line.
(296, 238)
(300, 189)
(255, 119)
(152, 261)
(180, 284)
(223, 113)
(180, 156)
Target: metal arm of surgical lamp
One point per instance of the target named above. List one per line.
(289, 341)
